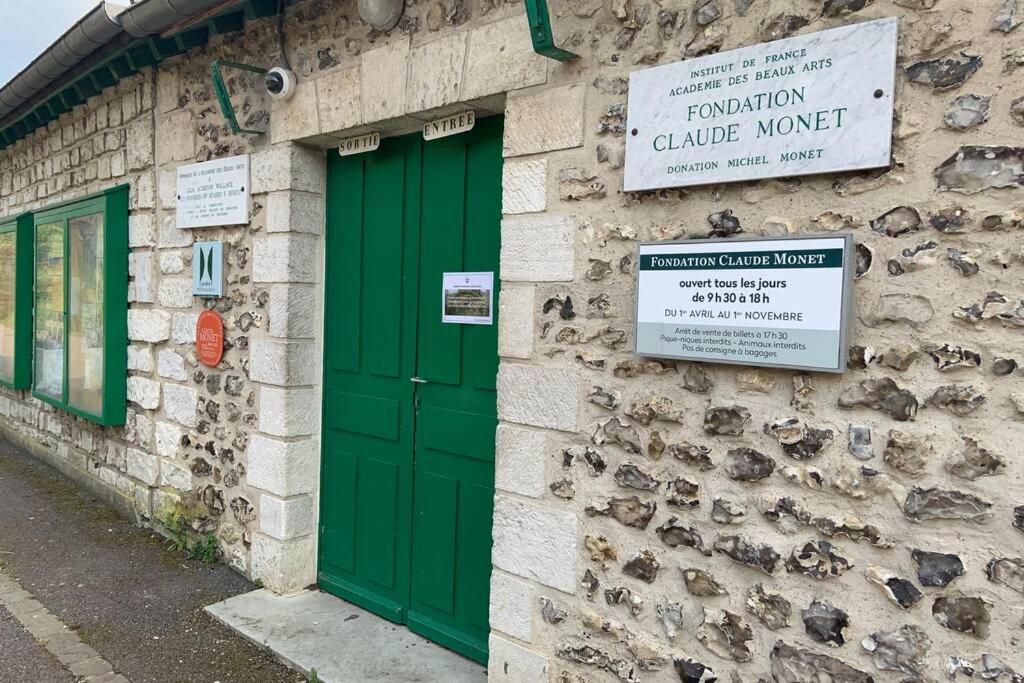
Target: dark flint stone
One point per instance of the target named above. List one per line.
(1018, 517)
(934, 503)
(967, 111)
(1008, 571)
(726, 420)
(631, 476)
(746, 464)
(702, 584)
(976, 168)
(944, 72)
(903, 650)
(963, 614)
(835, 8)
(881, 394)
(683, 493)
(859, 357)
(951, 357)
(674, 533)
(783, 25)
(797, 665)
(565, 309)
(550, 613)
(1003, 366)
(707, 12)
(201, 468)
(864, 259)
(976, 461)
(643, 566)
(962, 262)
(692, 671)
(628, 511)
(959, 399)
(742, 551)
(742, 6)
(825, 623)
(590, 584)
(727, 512)
(898, 221)
(772, 609)
(697, 456)
(695, 379)
(900, 591)
(952, 219)
(859, 442)
(724, 224)
(591, 656)
(818, 560)
(936, 569)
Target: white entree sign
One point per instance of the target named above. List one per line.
(213, 193)
(449, 125)
(817, 103)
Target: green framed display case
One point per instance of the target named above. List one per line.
(80, 294)
(16, 302)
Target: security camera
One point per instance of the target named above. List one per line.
(280, 83)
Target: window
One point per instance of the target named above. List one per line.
(80, 333)
(15, 302)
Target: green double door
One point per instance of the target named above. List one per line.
(409, 401)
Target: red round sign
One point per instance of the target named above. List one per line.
(209, 337)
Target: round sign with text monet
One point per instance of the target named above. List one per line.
(209, 337)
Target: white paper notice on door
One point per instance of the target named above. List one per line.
(467, 298)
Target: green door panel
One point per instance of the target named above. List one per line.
(408, 468)
(370, 311)
(457, 417)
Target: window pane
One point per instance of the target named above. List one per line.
(7, 272)
(85, 314)
(49, 351)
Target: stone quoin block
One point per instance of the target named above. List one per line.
(524, 186)
(508, 662)
(168, 439)
(171, 236)
(168, 186)
(144, 392)
(511, 606)
(515, 322)
(140, 358)
(142, 466)
(500, 58)
(288, 412)
(435, 73)
(519, 460)
(537, 248)
(283, 468)
(535, 542)
(170, 365)
(173, 262)
(142, 270)
(339, 100)
(141, 230)
(175, 292)
(542, 397)
(287, 166)
(283, 363)
(286, 518)
(284, 566)
(384, 72)
(292, 312)
(176, 141)
(544, 120)
(175, 476)
(148, 325)
(295, 118)
(181, 404)
(140, 143)
(294, 211)
(286, 258)
(183, 328)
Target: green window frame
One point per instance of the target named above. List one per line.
(16, 302)
(79, 334)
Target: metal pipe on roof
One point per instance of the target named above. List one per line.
(97, 28)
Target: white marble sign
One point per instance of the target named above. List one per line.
(817, 103)
(213, 193)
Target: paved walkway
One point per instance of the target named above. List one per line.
(86, 595)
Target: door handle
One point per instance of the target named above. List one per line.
(418, 380)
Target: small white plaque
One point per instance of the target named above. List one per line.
(467, 298)
(359, 144)
(780, 302)
(817, 103)
(213, 193)
(449, 125)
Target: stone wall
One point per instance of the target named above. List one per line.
(760, 522)
(652, 518)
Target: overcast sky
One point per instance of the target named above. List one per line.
(27, 27)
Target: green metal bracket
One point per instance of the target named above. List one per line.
(540, 32)
(224, 99)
